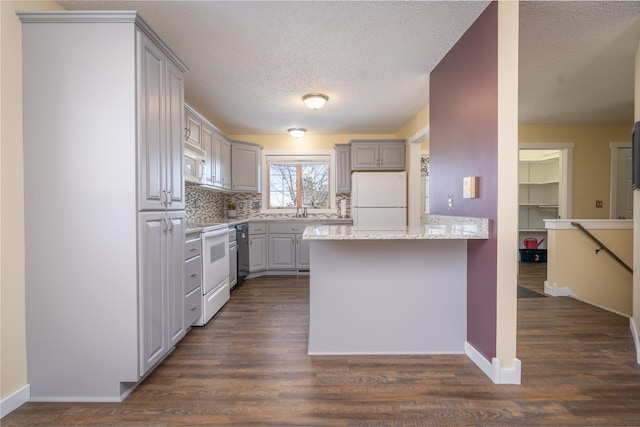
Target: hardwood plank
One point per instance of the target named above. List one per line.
(249, 366)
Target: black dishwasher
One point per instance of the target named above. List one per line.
(242, 236)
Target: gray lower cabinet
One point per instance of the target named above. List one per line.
(287, 249)
(282, 251)
(192, 279)
(161, 284)
(257, 247)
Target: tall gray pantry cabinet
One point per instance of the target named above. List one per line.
(104, 203)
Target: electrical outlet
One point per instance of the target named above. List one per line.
(241, 205)
(255, 205)
(450, 202)
(599, 204)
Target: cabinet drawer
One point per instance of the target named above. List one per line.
(192, 274)
(257, 228)
(192, 247)
(192, 306)
(288, 227)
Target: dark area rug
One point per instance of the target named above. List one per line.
(528, 293)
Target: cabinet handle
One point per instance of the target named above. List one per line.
(187, 132)
(193, 249)
(193, 274)
(194, 308)
(169, 197)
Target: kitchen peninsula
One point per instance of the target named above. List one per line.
(389, 291)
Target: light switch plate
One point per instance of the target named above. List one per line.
(470, 187)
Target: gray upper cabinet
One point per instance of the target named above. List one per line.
(246, 161)
(387, 154)
(206, 136)
(343, 168)
(160, 145)
(221, 161)
(193, 128)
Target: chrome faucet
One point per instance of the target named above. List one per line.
(304, 212)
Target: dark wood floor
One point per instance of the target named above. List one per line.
(249, 366)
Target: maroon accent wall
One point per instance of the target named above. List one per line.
(464, 142)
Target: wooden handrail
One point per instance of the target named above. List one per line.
(602, 246)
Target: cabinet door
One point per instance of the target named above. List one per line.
(364, 156)
(257, 253)
(210, 160)
(221, 162)
(193, 127)
(154, 340)
(245, 167)
(343, 168)
(225, 163)
(302, 253)
(175, 144)
(151, 126)
(282, 251)
(392, 156)
(174, 277)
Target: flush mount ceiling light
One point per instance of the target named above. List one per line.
(297, 132)
(315, 101)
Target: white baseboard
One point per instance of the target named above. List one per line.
(14, 400)
(556, 291)
(493, 369)
(636, 338)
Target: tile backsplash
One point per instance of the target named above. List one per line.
(208, 205)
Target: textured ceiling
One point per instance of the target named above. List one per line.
(251, 62)
(577, 61)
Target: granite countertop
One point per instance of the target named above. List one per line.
(232, 222)
(438, 227)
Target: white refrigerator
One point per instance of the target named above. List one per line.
(379, 200)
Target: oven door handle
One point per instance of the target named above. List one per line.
(215, 233)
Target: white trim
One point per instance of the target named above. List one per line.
(332, 180)
(14, 400)
(613, 178)
(590, 224)
(76, 399)
(493, 369)
(636, 338)
(420, 136)
(555, 291)
(377, 353)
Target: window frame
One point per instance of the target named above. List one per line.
(288, 155)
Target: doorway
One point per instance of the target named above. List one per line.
(621, 178)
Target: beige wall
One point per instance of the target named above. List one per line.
(417, 123)
(595, 278)
(308, 142)
(13, 365)
(591, 160)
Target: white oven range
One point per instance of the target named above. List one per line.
(215, 270)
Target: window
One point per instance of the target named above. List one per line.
(298, 181)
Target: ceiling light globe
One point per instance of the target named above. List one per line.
(297, 132)
(315, 101)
